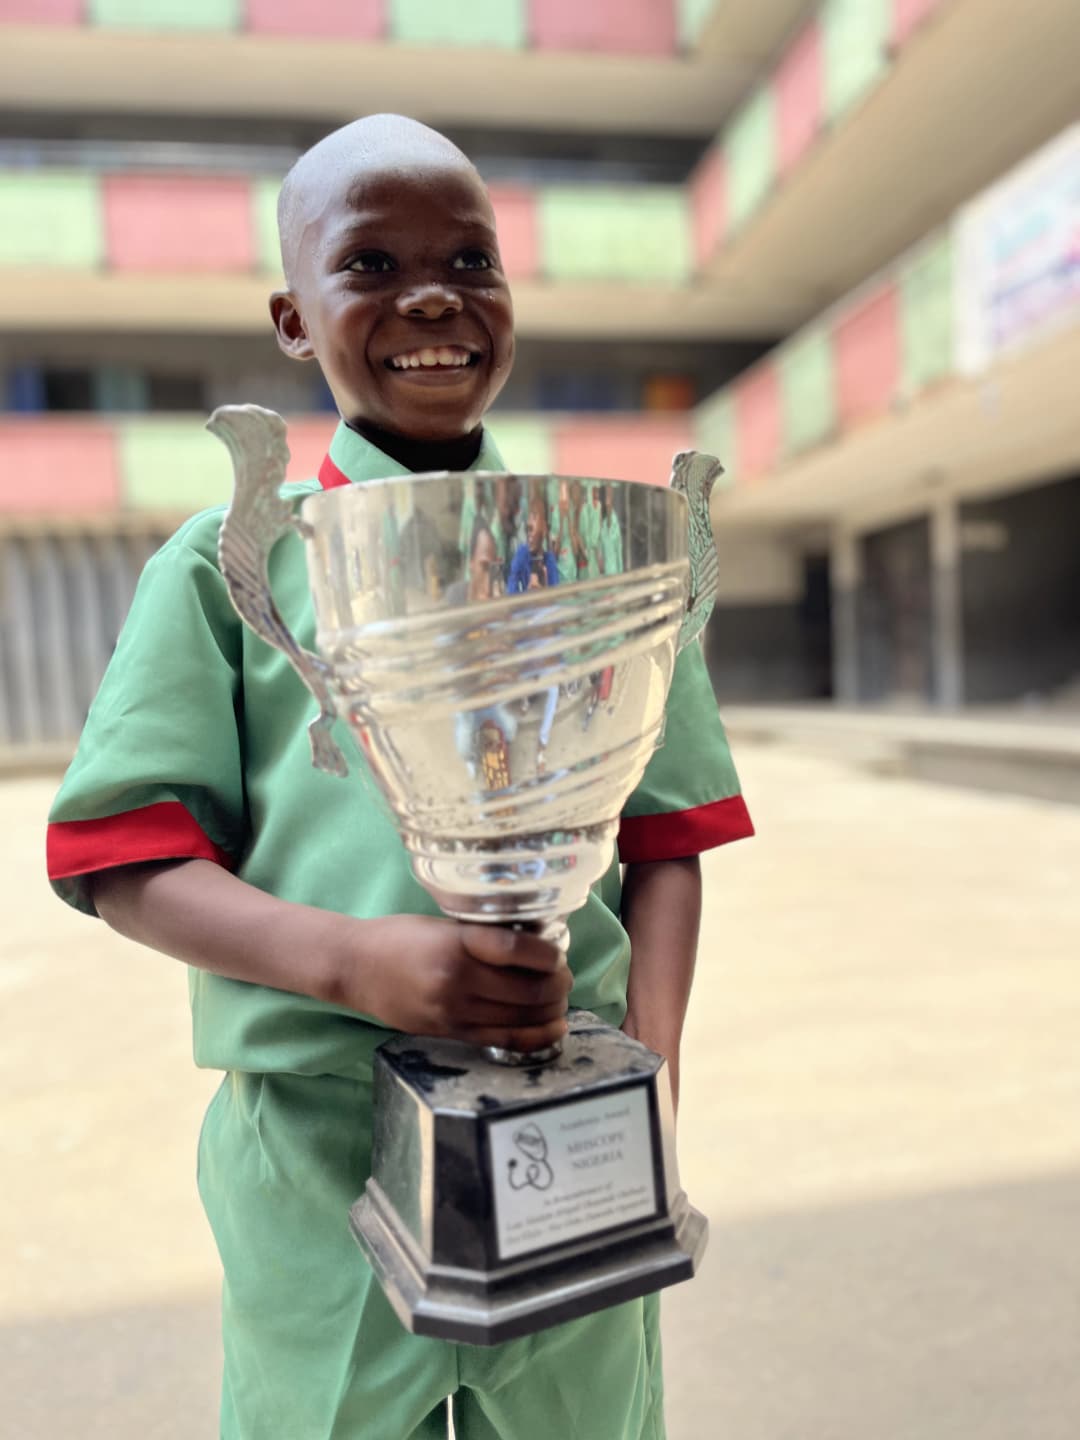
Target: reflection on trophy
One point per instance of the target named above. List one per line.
(507, 715)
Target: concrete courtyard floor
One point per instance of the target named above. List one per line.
(881, 1117)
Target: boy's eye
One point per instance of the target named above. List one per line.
(473, 260)
(371, 262)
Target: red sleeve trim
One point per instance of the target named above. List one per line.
(166, 831)
(330, 476)
(683, 832)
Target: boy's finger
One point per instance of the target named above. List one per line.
(490, 1014)
(518, 1037)
(508, 985)
(499, 945)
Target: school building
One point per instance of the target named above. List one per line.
(836, 243)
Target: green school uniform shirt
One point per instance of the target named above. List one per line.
(589, 530)
(563, 546)
(611, 544)
(196, 746)
(466, 526)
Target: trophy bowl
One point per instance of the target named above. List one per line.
(501, 648)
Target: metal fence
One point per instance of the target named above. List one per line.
(63, 599)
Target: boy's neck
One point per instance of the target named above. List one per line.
(422, 455)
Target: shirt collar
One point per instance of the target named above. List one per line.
(352, 460)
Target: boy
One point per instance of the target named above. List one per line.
(564, 536)
(192, 820)
(610, 535)
(533, 564)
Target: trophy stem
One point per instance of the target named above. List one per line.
(558, 933)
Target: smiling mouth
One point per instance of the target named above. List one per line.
(434, 358)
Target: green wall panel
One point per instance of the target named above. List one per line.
(926, 315)
(264, 198)
(166, 14)
(856, 34)
(750, 154)
(692, 18)
(807, 392)
(51, 218)
(633, 233)
(498, 23)
(714, 432)
(524, 442)
(173, 465)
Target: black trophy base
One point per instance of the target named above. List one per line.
(504, 1200)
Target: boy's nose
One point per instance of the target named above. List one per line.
(432, 301)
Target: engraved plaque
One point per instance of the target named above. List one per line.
(571, 1170)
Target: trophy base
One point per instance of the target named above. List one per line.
(503, 1201)
(451, 1304)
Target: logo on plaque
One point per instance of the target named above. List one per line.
(535, 1171)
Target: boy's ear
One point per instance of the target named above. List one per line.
(292, 338)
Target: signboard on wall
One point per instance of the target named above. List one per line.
(1018, 271)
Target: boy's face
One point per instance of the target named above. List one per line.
(537, 529)
(399, 294)
(482, 568)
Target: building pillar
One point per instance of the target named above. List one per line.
(844, 578)
(947, 636)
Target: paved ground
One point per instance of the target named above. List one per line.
(881, 1116)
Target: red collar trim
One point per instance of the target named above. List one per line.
(330, 477)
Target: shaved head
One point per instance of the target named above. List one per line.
(372, 144)
(396, 287)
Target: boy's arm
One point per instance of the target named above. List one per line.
(485, 984)
(661, 910)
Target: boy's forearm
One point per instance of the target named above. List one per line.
(661, 910)
(421, 974)
(200, 913)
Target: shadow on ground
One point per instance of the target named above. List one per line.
(950, 1316)
(946, 1316)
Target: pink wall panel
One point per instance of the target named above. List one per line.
(626, 447)
(799, 88)
(309, 440)
(867, 349)
(641, 27)
(41, 12)
(757, 422)
(178, 223)
(708, 203)
(359, 19)
(515, 220)
(58, 466)
(908, 15)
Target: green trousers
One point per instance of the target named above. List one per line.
(313, 1350)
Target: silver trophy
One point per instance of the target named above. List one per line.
(506, 713)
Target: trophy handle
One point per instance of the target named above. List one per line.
(256, 520)
(694, 475)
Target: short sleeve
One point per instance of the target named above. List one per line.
(157, 772)
(689, 798)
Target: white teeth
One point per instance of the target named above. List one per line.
(431, 359)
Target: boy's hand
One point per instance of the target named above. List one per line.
(484, 984)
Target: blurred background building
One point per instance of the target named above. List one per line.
(835, 243)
